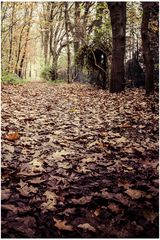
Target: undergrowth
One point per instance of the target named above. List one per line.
(10, 78)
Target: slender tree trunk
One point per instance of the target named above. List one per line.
(76, 37)
(46, 10)
(147, 54)
(46, 38)
(19, 43)
(67, 38)
(118, 22)
(11, 37)
(54, 66)
(20, 71)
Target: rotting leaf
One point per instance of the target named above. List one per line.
(62, 225)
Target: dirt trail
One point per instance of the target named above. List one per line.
(85, 163)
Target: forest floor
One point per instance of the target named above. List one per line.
(80, 162)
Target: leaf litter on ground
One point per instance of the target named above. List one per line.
(90, 157)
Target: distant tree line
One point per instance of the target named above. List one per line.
(105, 43)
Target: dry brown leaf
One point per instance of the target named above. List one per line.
(24, 225)
(82, 169)
(59, 155)
(97, 212)
(64, 165)
(134, 194)
(128, 167)
(140, 149)
(58, 132)
(5, 194)
(121, 140)
(82, 200)
(88, 160)
(114, 208)
(87, 226)
(12, 136)
(95, 143)
(69, 211)
(150, 215)
(36, 165)
(9, 148)
(106, 194)
(36, 180)
(10, 207)
(26, 190)
(51, 200)
(62, 225)
(22, 184)
(73, 110)
(126, 185)
(126, 125)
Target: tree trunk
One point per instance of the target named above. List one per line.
(76, 37)
(67, 38)
(20, 43)
(118, 22)
(11, 38)
(147, 54)
(20, 71)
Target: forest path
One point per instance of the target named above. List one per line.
(83, 164)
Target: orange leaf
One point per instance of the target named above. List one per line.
(126, 126)
(12, 136)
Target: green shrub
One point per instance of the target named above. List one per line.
(48, 73)
(10, 78)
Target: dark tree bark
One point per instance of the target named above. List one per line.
(147, 54)
(118, 22)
